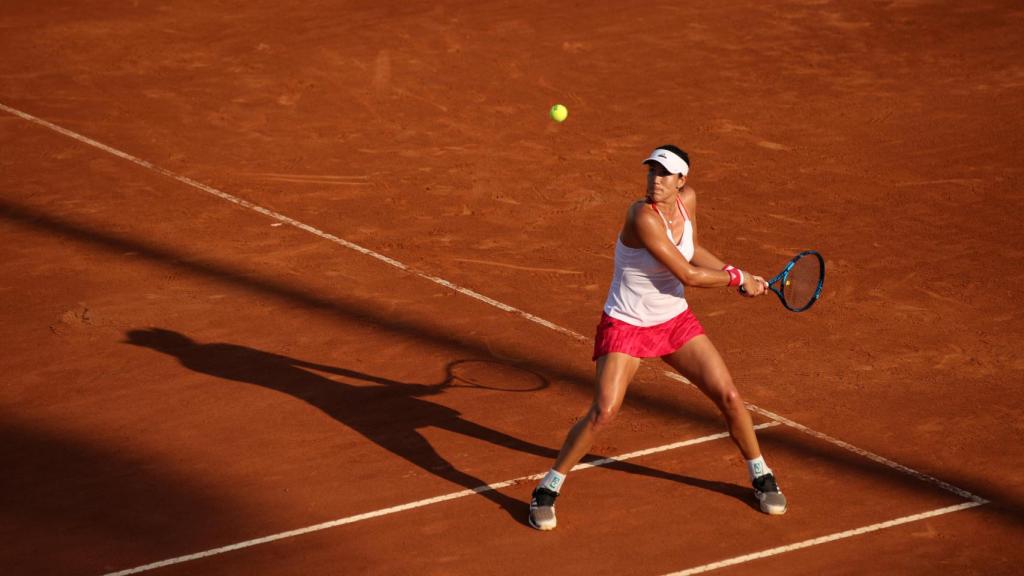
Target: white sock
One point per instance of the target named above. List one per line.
(552, 480)
(757, 467)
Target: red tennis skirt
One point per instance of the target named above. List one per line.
(645, 341)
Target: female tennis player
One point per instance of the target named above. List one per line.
(647, 316)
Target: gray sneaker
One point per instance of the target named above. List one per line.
(768, 494)
(542, 509)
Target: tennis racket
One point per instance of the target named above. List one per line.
(799, 284)
(493, 375)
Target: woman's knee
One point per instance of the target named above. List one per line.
(730, 400)
(724, 393)
(601, 416)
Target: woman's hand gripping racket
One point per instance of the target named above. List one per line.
(799, 284)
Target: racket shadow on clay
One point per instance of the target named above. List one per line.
(387, 412)
(493, 375)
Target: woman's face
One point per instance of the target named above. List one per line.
(662, 184)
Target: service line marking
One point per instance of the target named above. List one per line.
(421, 503)
(824, 539)
(975, 500)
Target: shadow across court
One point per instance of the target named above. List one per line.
(1006, 502)
(387, 412)
(74, 505)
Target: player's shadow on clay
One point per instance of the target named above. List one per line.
(386, 412)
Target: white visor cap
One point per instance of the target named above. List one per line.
(669, 160)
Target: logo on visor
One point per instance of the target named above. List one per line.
(662, 155)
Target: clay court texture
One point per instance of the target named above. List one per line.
(245, 245)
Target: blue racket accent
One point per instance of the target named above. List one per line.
(794, 284)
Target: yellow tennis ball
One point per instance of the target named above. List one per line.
(559, 113)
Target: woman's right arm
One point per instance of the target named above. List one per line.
(650, 231)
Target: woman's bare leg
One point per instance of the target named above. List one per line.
(614, 373)
(699, 361)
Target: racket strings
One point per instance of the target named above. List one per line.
(801, 284)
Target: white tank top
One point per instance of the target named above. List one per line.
(644, 292)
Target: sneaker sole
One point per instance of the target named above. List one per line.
(772, 510)
(539, 527)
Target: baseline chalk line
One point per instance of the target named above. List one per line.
(419, 504)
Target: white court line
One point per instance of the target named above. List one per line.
(471, 293)
(286, 220)
(850, 447)
(824, 539)
(420, 504)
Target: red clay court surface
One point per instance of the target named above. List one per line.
(203, 374)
